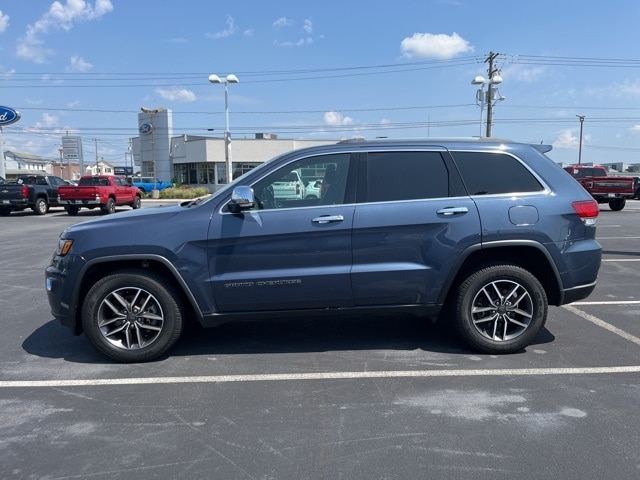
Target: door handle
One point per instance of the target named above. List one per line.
(452, 210)
(328, 219)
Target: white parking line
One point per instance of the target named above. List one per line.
(321, 376)
(612, 302)
(601, 323)
(617, 238)
(621, 260)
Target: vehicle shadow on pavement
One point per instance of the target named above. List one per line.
(321, 335)
(52, 340)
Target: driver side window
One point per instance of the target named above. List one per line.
(319, 180)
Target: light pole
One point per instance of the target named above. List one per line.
(227, 140)
(490, 98)
(581, 118)
(152, 113)
(69, 172)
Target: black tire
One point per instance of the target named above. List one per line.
(617, 204)
(109, 207)
(72, 210)
(41, 207)
(5, 212)
(500, 309)
(142, 190)
(132, 316)
(137, 203)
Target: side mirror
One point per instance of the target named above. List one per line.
(241, 199)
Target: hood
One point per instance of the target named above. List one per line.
(129, 219)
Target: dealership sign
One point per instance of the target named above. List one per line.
(145, 128)
(8, 116)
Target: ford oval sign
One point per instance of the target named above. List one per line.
(8, 116)
(145, 128)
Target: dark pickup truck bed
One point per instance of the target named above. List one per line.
(37, 192)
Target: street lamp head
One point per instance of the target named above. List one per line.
(480, 80)
(228, 79)
(150, 110)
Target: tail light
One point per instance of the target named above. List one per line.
(25, 191)
(587, 210)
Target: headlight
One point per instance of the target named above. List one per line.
(64, 246)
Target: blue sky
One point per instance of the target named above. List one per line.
(323, 70)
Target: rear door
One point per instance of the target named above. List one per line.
(287, 254)
(52, 189)
(124, 191)
(411, 224)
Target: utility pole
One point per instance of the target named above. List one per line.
(492, 72)
(581, 118)
(96, 143)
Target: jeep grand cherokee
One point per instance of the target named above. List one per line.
(481, 234)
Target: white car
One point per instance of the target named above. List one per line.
(312, 190)
(289, 187)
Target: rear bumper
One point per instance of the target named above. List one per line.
(577, 293)
(80, 203)
(582, 265)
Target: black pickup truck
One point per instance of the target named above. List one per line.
(37, 192)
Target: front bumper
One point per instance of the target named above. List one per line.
(59, 299)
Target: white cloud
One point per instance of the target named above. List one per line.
(227, 32)
(282, 22)
(306, 32)
(47, 121)
(568, 139)
(337, 119)
(628, 88)
(428, 45)
(635, 130)
(59, 17)
(7, 74)
(308, 26)
(78, 64)
(176, 94)
(614, 90)
(4, 21)
(523, 73)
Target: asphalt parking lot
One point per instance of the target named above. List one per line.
(356, 398)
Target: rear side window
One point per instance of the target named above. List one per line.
(395, 176)
(494, 173)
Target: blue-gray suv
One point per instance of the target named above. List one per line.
(481, 234)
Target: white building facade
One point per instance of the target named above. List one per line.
(200, 160)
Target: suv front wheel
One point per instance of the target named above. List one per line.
(500, 309)
(132, 316)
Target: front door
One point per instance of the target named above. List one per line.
(291, 251)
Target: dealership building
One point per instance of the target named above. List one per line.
(201, 160)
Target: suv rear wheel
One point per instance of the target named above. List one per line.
(131, 316)
(500, 309)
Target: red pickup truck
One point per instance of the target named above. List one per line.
(604, 188)
(104, 191)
